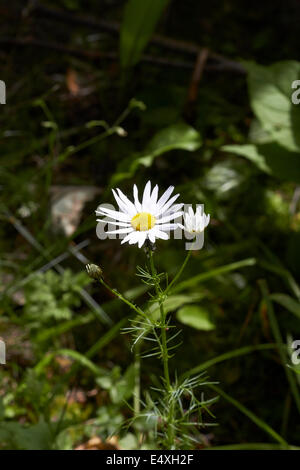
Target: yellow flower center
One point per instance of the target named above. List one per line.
(143, 221)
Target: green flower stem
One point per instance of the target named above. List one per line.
(165, 355)
(121, 297)
(179, 272)
(137, 380)
(161, 295)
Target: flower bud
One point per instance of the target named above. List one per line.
(94, 271)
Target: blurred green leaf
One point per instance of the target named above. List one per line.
(196, 317)
(178, 136)
(120, 387)
(129, 442)
(17, 436)
(138, 25)
(250, 152)
(75, 355)
(270, 158)
(226, 178)
(271, 91)
(124, 387)
(173, 302)
(50, 297)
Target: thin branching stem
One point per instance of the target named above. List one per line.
(165, 356)
(179, 272)
(121, 297)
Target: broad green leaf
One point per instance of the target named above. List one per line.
(120, 387)
(139, 22)
(257, 134)
(270, 158)
(123, 389)
(178, 136)
(196, 317)
(250, 152)
(175, 137)
(271, 92)
(287, 302)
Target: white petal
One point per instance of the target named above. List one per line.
(151, 235)
(142, 238)
(168, 226)
(134, 238)
(165, 196)
(187, 218)
(190, 211)
(124, 208)
(122, 230)
(189, 227)
(130, 206)
(199, 210)
(160, 234)
(154, 195)
(169, 217)
(136, 199)
(174, 208)
(168, 204)
(198, 224)
(114, 214)
(120, 224)
(127, 238)
(146, 196)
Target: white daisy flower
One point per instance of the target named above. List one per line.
(195, 222)
(146, 219)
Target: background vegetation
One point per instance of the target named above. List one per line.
(195, 94)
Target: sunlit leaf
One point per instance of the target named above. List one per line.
(270, 158)
(196, 317)
(173, 302)
(176, 137)
(271, 91)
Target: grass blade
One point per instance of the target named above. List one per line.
(259, 422)
(278, 338)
